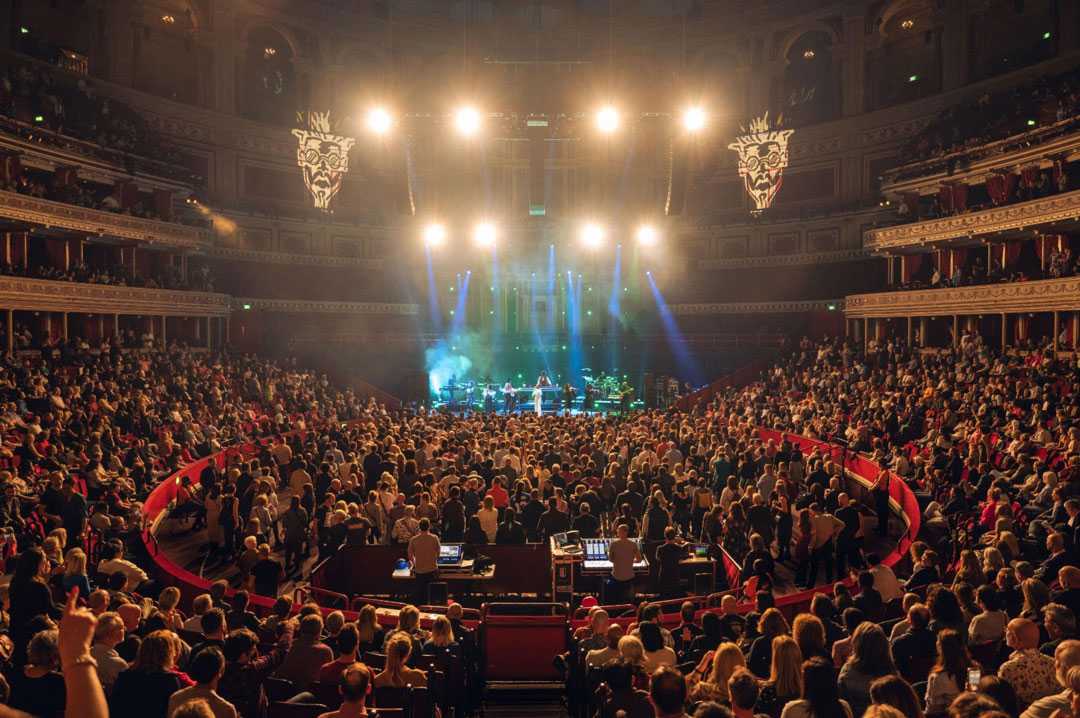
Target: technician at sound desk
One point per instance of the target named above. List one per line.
(622, 553)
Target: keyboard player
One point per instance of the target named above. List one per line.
(623, 554)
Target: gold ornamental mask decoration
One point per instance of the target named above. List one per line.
(324, 158)
(763, 155)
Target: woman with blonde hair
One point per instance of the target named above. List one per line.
(992, 561)
(785, 677)
(168, 600)
(75, 572)
(725, 660)
(397, 674)
(371, 633)
(442, 636)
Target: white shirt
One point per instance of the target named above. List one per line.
(134, 574)
(886, 583)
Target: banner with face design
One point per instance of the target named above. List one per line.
(763, 155)
(324, 157)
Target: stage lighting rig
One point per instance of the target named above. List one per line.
(592, 235)
(467, 120)
(647, 235)
(379, 120)
(694, 118)
(607, 119)
(434, 235)
(485, 235)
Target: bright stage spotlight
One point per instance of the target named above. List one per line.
(485, 235)
(592, 235)
(434, 235)
(467, 120)
(647, 235)
(694, 119)
(607, 119)
(379, 120)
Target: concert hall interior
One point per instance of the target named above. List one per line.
(540, 358)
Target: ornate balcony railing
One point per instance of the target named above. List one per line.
(1044, 295)
(33, 210)
(46, 295)
(823, 305)
(299, 306)
(996, 219)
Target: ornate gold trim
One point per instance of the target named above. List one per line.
(45, 212)
(266, 257)
(1039, 296)
(298, 306)
(46, 295)
(785, 260)
(758, 307)
(997, 219)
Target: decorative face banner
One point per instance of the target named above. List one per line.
(763, 155)
(324, 158)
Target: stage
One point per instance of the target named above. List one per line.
(480, 397)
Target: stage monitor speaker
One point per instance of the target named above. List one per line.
(703, 584)
(649, 391)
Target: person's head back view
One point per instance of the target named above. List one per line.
(667, 691)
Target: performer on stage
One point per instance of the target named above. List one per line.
(538, 398)
(543, 380)
(568, 393)
(626, 392)
(509, 396)
(590, 398)
(489, 398)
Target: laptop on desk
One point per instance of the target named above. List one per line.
(450, 555)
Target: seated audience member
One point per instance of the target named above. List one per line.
(1066, 669)
(989, 624)
(599, 657)
(199, 606)
(39, 688)
(871, 658)
(1031, 673)
(621, 697)
(710, 678)
(206, 670)
(656, 653)
(667, 693)
(307, 655)
(949, 674)
(743, 689)
(1060, 625)
(146, 687)
(108, 634)
(355, 685)
(397, 673)
(246, 671)
(896, 692)
(348, 640)
(819, 698)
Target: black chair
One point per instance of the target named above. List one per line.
(375, 661)
(327, 693)
(279, 689)
(279, 709)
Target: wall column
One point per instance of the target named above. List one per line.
(955, 330)
(866, 332)
(116, 328)
(1057, 328)
(1004, 332)
(164, 341)
(909, 328)
(10, 331)
(64, 326)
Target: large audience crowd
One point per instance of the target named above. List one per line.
(982, 622)
(34, 97)
(957, 133)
